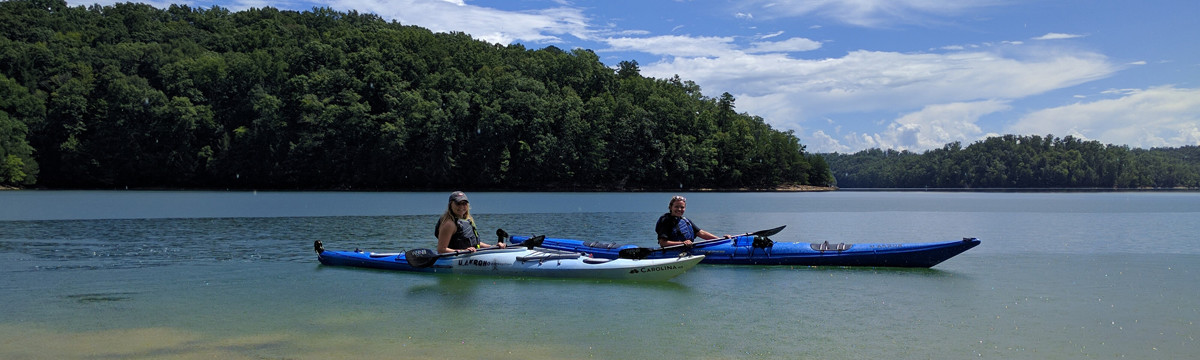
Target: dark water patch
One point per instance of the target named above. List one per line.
(101, 297)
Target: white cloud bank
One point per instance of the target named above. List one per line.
(1156, 117)
(931, 127)
(952, 90)
(488, 24)
(868, 13)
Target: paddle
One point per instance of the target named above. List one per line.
(642, 253)
(423, 258)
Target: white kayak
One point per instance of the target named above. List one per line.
(520, 261)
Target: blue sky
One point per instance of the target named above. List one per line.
(848, 75)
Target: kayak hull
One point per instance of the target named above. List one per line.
(743, 251)
(523, 262)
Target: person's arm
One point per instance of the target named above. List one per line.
(483, 244)
(709, 236)
(663, 242)
(445, 231)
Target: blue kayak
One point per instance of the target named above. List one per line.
(759, 250)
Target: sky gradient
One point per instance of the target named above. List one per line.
(848, 75)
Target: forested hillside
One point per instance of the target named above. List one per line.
(133, 96)
(1012, 161)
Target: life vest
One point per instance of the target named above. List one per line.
(683, 229)
(466, 236)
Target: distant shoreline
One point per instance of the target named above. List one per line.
(784, 188)
(1182, 189)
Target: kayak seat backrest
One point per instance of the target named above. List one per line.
(601, 244)
(826, 246)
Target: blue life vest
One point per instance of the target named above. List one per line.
(675, 228)
(685, 229)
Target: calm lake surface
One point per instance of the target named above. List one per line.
(232, 275)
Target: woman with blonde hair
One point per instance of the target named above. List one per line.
(456, 230)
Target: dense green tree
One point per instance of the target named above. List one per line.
(18, 108)
(1012, 161)
(130, 95)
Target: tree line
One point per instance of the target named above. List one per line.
(1012, 161)
(129, 95)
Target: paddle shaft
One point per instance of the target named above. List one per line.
(423, 258)
(641, 252)
(767, 232)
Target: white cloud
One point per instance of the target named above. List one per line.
(870, 13)
(934, 126)
(1154, 117)
(1057, 36)
(780, 88)
(788, 91)
(820, 142)
(483, 23)
(768, 36)
(789, 45)
(681, 46)
(487, 24)
(674, 45)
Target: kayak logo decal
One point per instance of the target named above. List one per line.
(654, 268)
(474, 262)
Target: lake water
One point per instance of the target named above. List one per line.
(232, 275)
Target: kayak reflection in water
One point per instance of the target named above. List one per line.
(455, 230)
(674, 229)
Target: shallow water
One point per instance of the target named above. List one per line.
(233, 275)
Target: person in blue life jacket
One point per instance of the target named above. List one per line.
(674, 229)
(456, 230)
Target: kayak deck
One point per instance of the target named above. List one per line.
(749, 250)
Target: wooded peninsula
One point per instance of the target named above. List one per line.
(131, 96)
(1021, 162)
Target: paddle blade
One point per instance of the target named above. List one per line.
(421, 258)
(768, 232)
(634, 253)
(534, 241)
(501, 235)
